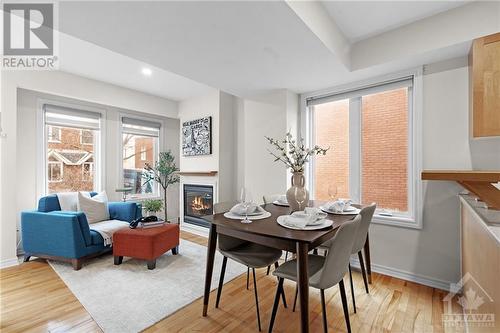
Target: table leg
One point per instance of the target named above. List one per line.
(212, 241)
(367, 259)
(303, 284)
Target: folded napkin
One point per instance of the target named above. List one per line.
(239, 209)
(295, 222)
(338, 205)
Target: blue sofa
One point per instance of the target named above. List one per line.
(64, 235)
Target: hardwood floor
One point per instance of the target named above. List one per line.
(34, 299)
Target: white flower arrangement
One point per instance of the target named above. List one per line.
(292, 153)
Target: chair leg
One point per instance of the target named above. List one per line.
(362, 264)
(315, 251)
(268, 269)
(295, 299)
(276, 303)
(26, 258)
(323, 307)
(276, 265)
(352, 289)
(248, 275)
(286, 255)
(221, 281)
(256, 297)
(344, 305)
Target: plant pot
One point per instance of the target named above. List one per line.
(298, 181)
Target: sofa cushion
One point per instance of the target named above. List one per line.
(96, 238)
(95, 208)
(50, 203)
(69, 200)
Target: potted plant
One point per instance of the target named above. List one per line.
(164, 172)
(295, 155)
(151, 206)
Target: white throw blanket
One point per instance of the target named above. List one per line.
(107, 228)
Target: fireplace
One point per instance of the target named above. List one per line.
(198, 202)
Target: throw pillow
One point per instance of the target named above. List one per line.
(69, 200)
(95, 208)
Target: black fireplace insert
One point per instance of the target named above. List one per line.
(198, 202)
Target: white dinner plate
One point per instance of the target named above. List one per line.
(277, 203)
(325, 224)
(263, 215)
(349, 212)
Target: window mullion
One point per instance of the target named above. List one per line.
(355, 149)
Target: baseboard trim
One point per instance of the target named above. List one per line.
(405, 275)
(194, 229)
(9, 263)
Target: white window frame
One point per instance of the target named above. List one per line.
(414, 146)
(156, 152)
(49, 137)
(91, 168)
(81, 139)
(61, 166)
(99, 145)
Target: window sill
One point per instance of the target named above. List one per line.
(132, 199)
(397, 221)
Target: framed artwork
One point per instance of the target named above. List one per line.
(197, 137)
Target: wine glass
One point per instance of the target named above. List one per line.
(246, 201)
(300, 196)
(332, 191)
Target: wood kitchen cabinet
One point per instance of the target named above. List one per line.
(484, 67)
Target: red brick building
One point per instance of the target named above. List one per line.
(384, 149)
(70, 159)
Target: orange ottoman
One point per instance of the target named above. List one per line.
(147, 244)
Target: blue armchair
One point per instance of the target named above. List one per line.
(62, 235)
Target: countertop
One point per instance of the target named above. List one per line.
(490, 217)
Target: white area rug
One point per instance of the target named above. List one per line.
(130, 298)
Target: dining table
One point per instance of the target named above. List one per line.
(269, 233)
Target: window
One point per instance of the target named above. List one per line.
(55, 171)
(140, 147)
(54, 134)
(87, 171)
(76, 151)
(86, 137)
(370, 132)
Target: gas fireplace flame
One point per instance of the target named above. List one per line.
(198, 204)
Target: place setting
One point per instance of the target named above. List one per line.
(311, 218)
(246, 210)
(338, 206)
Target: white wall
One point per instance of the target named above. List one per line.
(198, 107)
(18, 191)
(272, 115)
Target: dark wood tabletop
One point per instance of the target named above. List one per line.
(270, 228)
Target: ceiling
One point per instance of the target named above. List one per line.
(251, 47)
(362, 19)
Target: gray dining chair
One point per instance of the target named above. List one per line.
(359, 243)
(324, 271)
(247, 253)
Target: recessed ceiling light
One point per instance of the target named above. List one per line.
(146, 71)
